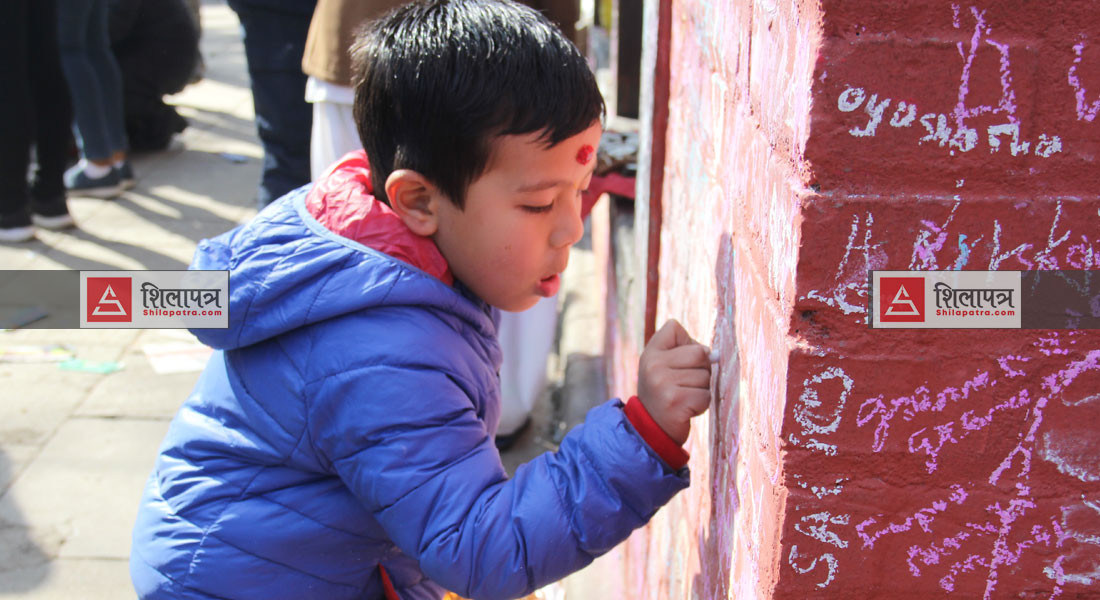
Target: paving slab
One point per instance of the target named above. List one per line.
(40, 398)
(141, 219)
(19, 256)
(84, 251)
(69, 579)
(118, 338)
(160, 394)
(26, 558)
(85, 484)
(229, 125)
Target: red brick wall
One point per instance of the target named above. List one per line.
(945, 461)
(808, 143)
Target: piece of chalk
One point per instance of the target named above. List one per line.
(714, 356)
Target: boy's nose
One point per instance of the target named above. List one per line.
(570, 228)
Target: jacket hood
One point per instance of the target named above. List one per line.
(324, 251)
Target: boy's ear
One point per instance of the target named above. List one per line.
(414, 199)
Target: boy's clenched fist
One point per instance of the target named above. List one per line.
(674, 379)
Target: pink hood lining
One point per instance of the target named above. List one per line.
(343, 201)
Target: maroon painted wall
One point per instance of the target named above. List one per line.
(945, 463)
(809, 142)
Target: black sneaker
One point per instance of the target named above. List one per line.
(79, 183)
(125, 175)
(53, 222)
(17, 234)
(16, 228)
(51, 214)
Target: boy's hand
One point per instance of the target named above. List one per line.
(674, 379)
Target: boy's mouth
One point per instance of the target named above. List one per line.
(548, 286)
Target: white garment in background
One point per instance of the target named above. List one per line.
(525, 338)
(525, 341)
(334, 133)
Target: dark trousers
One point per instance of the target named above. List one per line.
(34, 109)
(274, 42)
(95, 81)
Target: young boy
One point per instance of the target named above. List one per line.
(340, 442)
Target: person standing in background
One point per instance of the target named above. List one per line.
(34, 109)
(328, 65)
(156, 44)
(274, 41)
(95, 83)
(200, 63)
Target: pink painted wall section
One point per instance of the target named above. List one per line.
(729, 248)
(809, 143)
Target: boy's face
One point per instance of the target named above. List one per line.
(512, 241)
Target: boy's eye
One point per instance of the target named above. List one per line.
(538, 209)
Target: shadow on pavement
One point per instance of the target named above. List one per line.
(24, 565)
(219, 123)
(149, 259)
(194, 223)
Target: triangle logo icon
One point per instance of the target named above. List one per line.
(109, 298)
(902, 300)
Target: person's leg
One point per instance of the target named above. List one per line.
(94, 175)
(140, 96)
(109, 77)
(15, 116)
(73, 24)
(334, 135)
(200, 63)
(525, 342)
(52, 116)
(274, 43)
(193, 10)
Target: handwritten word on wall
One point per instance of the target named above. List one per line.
(949, 129)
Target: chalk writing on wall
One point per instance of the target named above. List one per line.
(1086, 111)
(949, 129)
(983, 480)
(962, 138)
(962, 534)
(849, 282)
(936, 247)
(814, 423)
(1004, 389)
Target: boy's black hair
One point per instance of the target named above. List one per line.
(436, 81)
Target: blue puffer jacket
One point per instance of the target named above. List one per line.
(346, 421)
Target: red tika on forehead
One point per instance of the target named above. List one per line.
(585, 154)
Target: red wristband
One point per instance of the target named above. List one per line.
(387, 585)
(665, 447)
